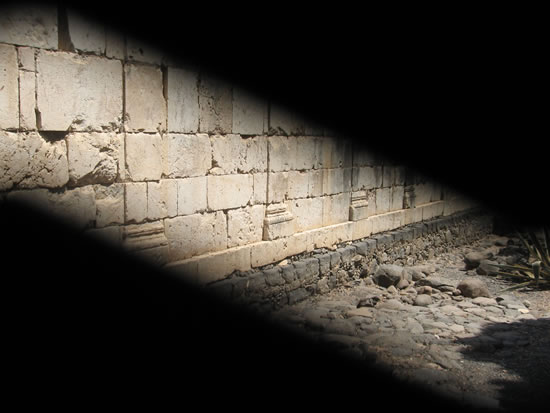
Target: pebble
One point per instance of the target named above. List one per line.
(423, 300)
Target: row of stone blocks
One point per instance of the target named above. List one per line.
(290, 283)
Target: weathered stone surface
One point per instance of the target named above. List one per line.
(144, 156)
(397, 198)
(27, 100)
(245, 226)
(217, 265)
(183, 100)
(29, 25)
(147, 240)
(229, 191)
(282, 153)
(186, 155)
(196, 234)
(388, 274)
(473, 259)
(191, 195)
(215, 105)
(139, 51)
(278, 222)
(77, 206)
(260, 188)
(336, 209)
(93, 157)
(473, 287)
(9, 92)
(423, 300)
(278, 187)
(78, 92)
(85, 35)
(232, 154)
(162, 199)
(383, 200)
(308, 213)
(249, 113)
(109, 204)
(114, 43)
(145, 103)
(135, 202)
(28, 161)
(285, 122)
(297, 184)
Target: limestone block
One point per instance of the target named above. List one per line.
(328, 237)
(359, 207)
(284, 121)
(114, 43)
(109, 204)
(366, 177)
(298, 184)
(397, 195)
(78, 92)
(388, 176)
(26, 60)
(93, 157)
(9, 89)
(217, 265)
(432, 210)
(229, 191)
(191, 195)
(361, 229)
(333, 181)
(27, 100)
(196, 234)
(233, 154)
(278, 223)
(315, 183)
(267, 252)
(423, 193)
(145, 104)
(139, 51)
(183, 100)
(383, 200)
(306, 151)
(308, 213)
(336, 208)
(28, 161)
(277, 187)
(341, 153)
(245, 225)
(186, 155)
(249, 113)
(412, 215)
(85, 34)
(36, 198)
(260, 188)
(215, 105)
(282, 153)
(147, 240)
(162, 199)
(78, 206)
(144, 156)
(135, 204)
(382, 222)
(29, 25)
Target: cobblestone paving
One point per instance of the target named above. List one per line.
(485, 351)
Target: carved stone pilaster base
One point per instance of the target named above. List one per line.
(278, 222)
(359, 206)
(147, 240)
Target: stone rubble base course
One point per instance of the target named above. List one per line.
(297, 279)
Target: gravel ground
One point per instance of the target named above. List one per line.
(490, 352)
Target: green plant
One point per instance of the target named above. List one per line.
(534, 270)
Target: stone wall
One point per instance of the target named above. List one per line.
(181, 167)
(321, 270)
